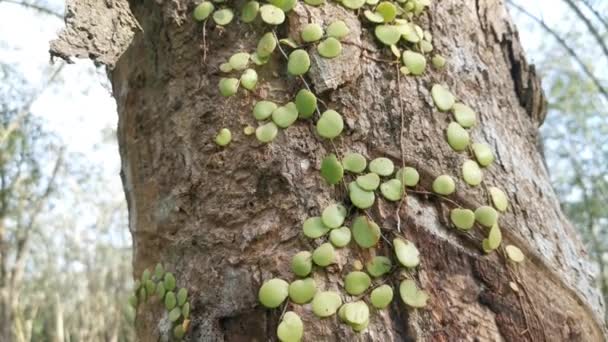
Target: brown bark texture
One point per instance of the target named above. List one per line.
(226, 219)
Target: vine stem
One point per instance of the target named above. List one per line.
(404, 196)
(421, 192)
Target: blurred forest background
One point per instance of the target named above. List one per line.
(65, 258)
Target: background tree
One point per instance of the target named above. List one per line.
(65, 259)
(574, 138)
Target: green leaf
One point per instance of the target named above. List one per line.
(203, 10)
(365, 232)
(273, 293)
(272, 15)
(330, 124)
(331, 169)
(298, 62)
(223, 17)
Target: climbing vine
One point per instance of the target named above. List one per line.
(395, 27)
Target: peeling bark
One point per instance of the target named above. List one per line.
(225, 219)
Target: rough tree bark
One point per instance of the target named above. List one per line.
(225, 219)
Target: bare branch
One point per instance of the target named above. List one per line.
(565, 45)
(23, 243)
(596, 14)
(589, 25)
(38, 8)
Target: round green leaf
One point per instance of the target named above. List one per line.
(464, 115)
(330, 124)
(169, 281)
(175, 314)
(302, 291)
(314, 227)
(267, 44)
(298, 62)
(239, 61)
(150, 286)
(387, 34)
(301, 263)
(306, 103)
(326, 303)
(160, 290)
(378, 266)
(291, 328)
(263, 110)
(406, 252)
(366, 232)
(182, 295)
(471, 173)
(353, 4)
(203, 10)
(408, 176)
(331, 169)
(170, 300)
(444, 185)
(272, 15)
(285, 116)
(223, 137)
(382, 166)
(330, 48)
(494, 238)
(284, 5)
(228, 86)
(249, 79)
(250, 11)
(311, 32)
(159, 271)
(354, 162)
(483, 154)
(486, 216)
(267, 132)
(444, 100)
(414, 62)
(387, 10)
(381, 296)
(273, 292)
(411, 295)
(462, 218)
(334, 215)
(360, 198)
(499, 199)
(426, 46)
(458, 137)
(356, 313)
(323, 255)
(223, 17)
(338, 29)
(392, 190)
(439, 63)
(357, 282)
(368, 182)
(374, 17)
(340, 237)
(409, 33)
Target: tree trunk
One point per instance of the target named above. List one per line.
(226, 219)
